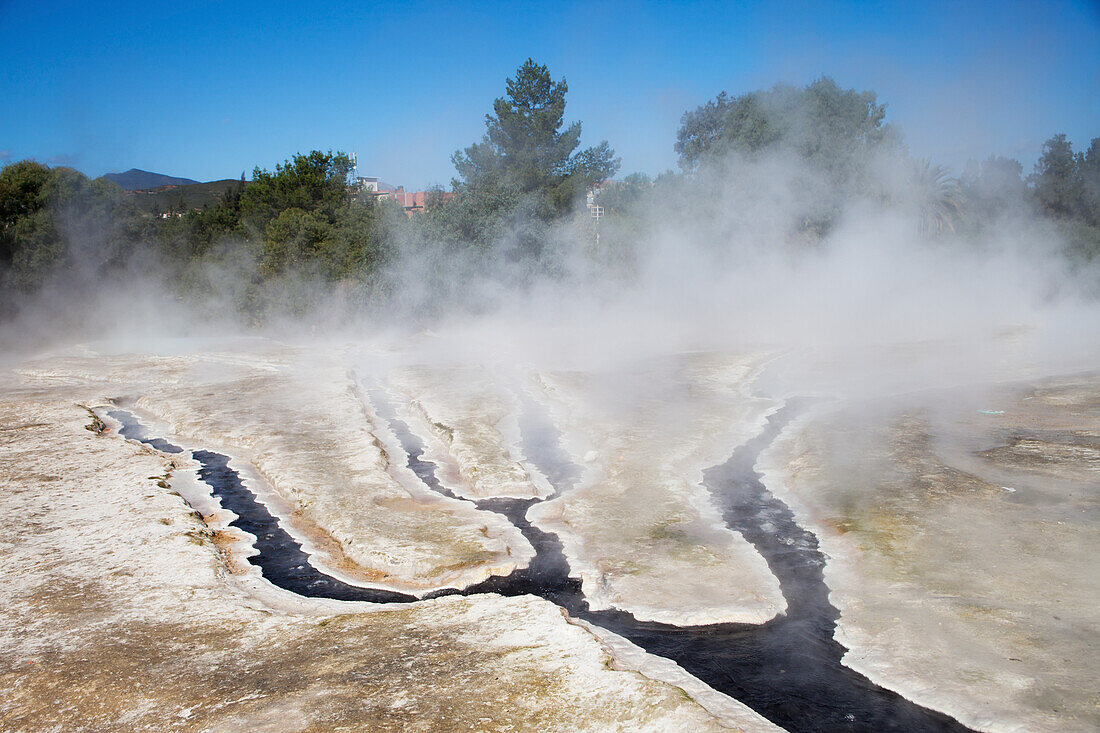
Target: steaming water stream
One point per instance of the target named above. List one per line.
(788, 669)
(279, 556)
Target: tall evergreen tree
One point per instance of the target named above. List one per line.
(1088, 166)
(1057, 181)
(526, 150)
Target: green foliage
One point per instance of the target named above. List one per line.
(525, 155)
(186, 238)
(315, 182)
(53, 219)
(478, 215)
(1066, 187)
(830, 128)
(344, 244)
(1057, 183)
(1088, 167)
(303, 218)
(299, 223)
(834, 134)
(26, 225)
(291, 238)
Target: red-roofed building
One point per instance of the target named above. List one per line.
(411, 201)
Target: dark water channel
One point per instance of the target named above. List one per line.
(279, 556)
(788, 669)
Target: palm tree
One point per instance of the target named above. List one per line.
(938, 197)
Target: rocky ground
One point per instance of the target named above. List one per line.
(960, 527)
(641, 530)
(124, 607)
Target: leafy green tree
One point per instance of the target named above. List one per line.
(54, 219)
(724, 124)
(1056, 182)
(303, 218)
(293, 238)
(836, 134)
(1088, 165)
(526, 152)
(316, 182)
(188, 238)
(830, 128)
(1066, 187)
(25, 223)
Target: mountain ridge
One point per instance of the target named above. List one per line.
(136, 179)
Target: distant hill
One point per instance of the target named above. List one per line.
(136, 180)
(183, 197)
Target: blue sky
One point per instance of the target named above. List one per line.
(207, 90)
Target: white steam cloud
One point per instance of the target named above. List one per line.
(723, 264)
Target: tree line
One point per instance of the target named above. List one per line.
(514, 189)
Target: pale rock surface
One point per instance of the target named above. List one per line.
(471, 422)
(641, 530)
(296, 417)
(121, 613)
(962, 531)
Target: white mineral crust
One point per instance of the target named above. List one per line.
(641, 530)
(960, 596)
(296, 423)
(471, 424)
(124, 610)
